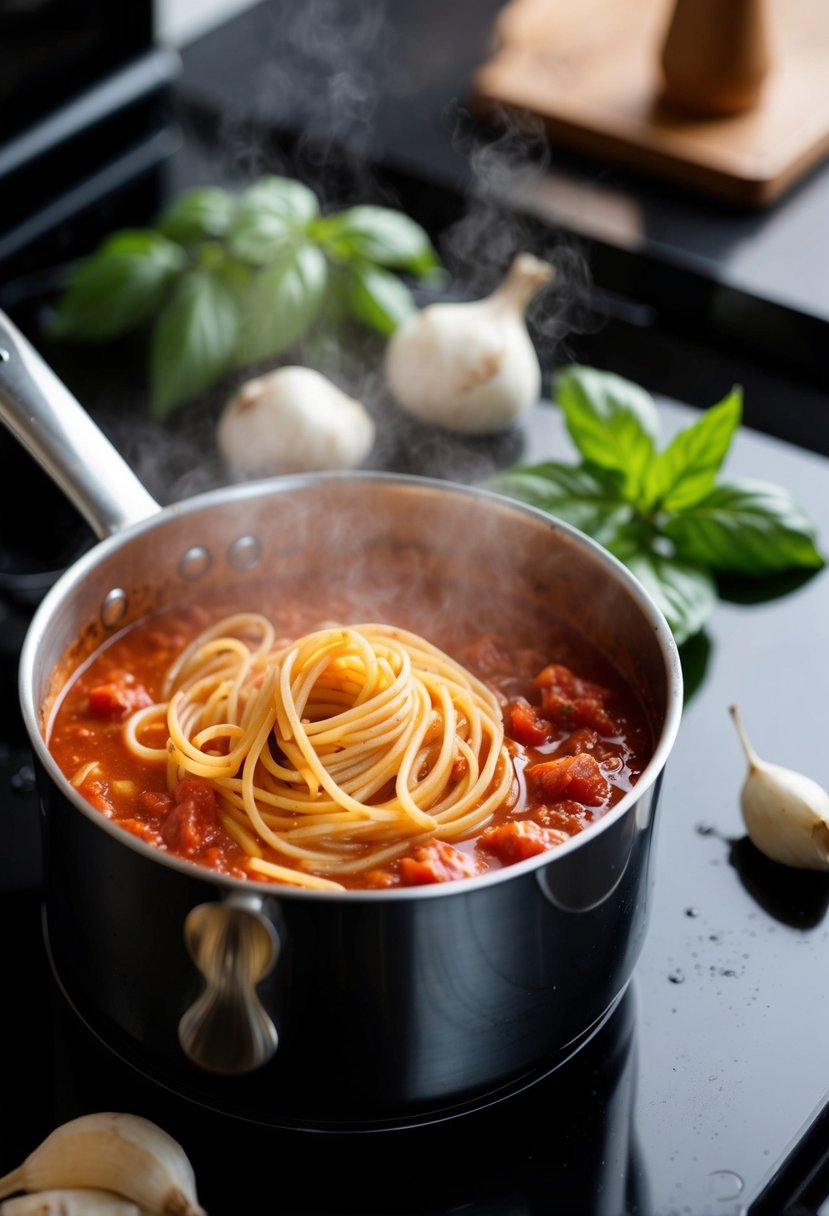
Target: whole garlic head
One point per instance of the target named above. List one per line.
(111, 1151)
(292, 420)
(471, 367)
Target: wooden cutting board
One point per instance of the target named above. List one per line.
(589, 71)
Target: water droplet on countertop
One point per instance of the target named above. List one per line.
(730, 1181)
(677, 977)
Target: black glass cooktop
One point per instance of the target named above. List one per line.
(704, 1093)
(708, 1080)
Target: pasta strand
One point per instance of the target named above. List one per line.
(338, 751)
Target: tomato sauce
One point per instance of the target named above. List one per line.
(577, 736)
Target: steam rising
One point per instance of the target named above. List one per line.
(503, 164)
(363, 96)
(334, 55)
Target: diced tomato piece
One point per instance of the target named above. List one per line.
(557, 678)
(583, 739)
(578, 777)
(527, 726)
(577, 711)
(193, 823)
(154, 804)
(567, 816)
(511, 842)
(571, 701)
(200, 792)
(118, 698)
(435, 862)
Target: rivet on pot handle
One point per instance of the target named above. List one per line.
(234, 945)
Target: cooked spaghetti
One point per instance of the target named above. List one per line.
(338, 751)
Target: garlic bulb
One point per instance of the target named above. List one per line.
(112, 1152)
(292, 420)
(471, 367)
(75, 1201)
(786, 813)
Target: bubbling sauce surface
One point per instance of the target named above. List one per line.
(573, 737)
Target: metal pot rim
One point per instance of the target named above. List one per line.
(81, 568)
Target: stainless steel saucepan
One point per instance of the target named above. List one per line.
(318, 1009)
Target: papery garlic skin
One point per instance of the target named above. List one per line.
(292, 420)
(471, 367)
(785, 812)
(76, 1201)
(111, 1151)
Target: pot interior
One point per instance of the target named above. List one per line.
(432, 557)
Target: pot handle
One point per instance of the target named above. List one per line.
(56, 430)
(234, 945)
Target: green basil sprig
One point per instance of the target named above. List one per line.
(663, 512)
(226, 280)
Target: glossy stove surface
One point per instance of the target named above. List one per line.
(569, 1137)
(711, 1074)
(704, 1094)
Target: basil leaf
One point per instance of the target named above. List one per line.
(283, 196)
(118, 286)
(273, 215)
(281, 303)
(746, 527)
(193, 338)
(687, 469)
(584, 497)
(259, 238)
(196, 215)
(685, 594)
(377, 298)
(377, 234)
(613, 422)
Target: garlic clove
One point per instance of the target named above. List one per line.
(786, 813)
(76, 1201)
(471, 367)
(292, 420)
(110, 1151)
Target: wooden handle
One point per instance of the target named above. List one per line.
(716, 55)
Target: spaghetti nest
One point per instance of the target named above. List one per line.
(339, 751)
